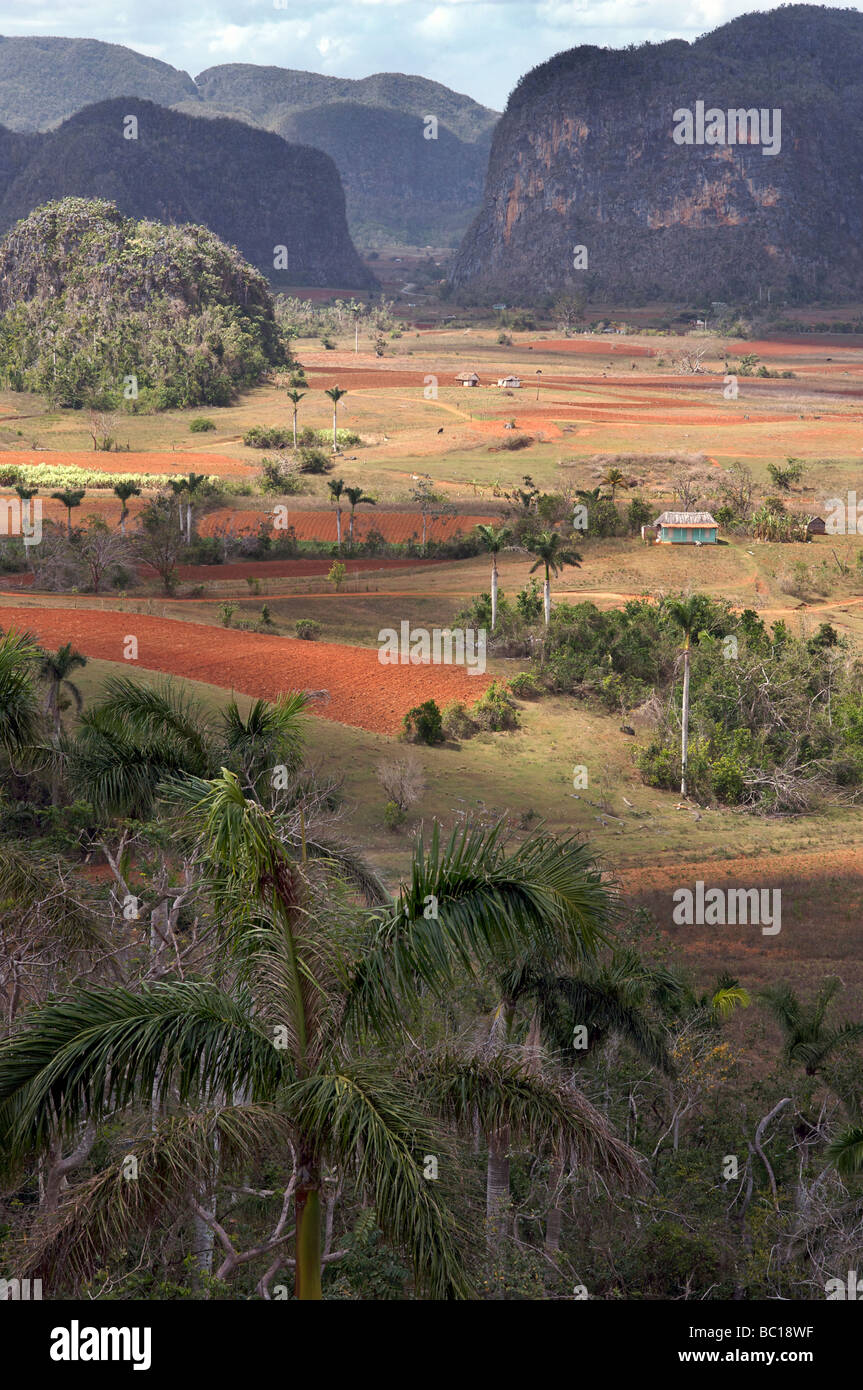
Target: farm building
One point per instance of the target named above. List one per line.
(816, 526)
(685, 528)
(467, 379)
(512, 382)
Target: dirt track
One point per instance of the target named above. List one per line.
(363, 693)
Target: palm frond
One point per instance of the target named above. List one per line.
(362, 1116)
(108, 1048)
(148, 1183)
(498, 1092)
(473, 899)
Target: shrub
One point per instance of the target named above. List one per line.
(314, 461)
(308, 629)
(227, 611)
(201, 424)
(517, 441)
(524, 686)
(424, 724)
(337, 574)
(403, 780)
(393, 816)
(268, 437)
(457, 722)
(495, 710)
(279, 477)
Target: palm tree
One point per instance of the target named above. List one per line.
(613, 478)
(295, 397)
(808, 1039)
(20, 712)
(356, 497)
(298, 1048)
(589, 495)
(688, 614)
(269, 735)
(124, 491)
(193, 482)
(337, 487)
(26, 493)
(553, 554)
(179, 486)
(335, 395)
(494, 541)
(70, 498)
(55, 669)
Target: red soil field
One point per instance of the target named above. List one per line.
(321, 525)
(363, 693)
(259, 569)
(220, 465)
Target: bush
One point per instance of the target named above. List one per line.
(201, 424)
(457, 722)
(424, 724)
(495, 711)
(308, 629)
(314, 461)
(394, 816)
(227, 611)
(268, 437)
(279, 477)
(403, 780)
(524, 686)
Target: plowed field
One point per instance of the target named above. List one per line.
(362, 692)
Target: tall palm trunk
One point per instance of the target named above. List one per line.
(546, 597)
(493, 592)
(684, 734)
(307, 1276)
(54, 712)
(295, 427)
(554, 1220)
(497, 1184)
(339, 526)
(335, 433)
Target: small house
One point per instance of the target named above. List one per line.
(511, 383)
(467, 379)
(816, 526)
(685, 528)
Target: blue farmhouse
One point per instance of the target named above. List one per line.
(685, 528)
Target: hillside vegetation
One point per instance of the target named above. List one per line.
(89, 298)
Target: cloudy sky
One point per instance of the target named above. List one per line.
(480, 47)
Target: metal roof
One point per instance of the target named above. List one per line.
(685, 519)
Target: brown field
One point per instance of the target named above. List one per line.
(362, 692)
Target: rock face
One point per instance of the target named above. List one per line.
(250, 187)
(398, 184)
(585, 156)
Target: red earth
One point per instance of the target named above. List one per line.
(321, 525)
(363, 693)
